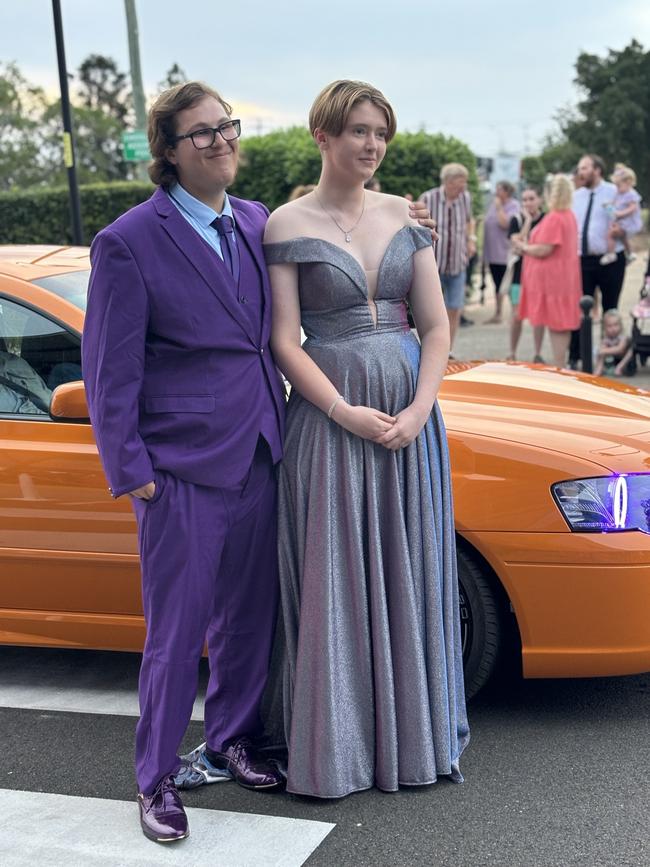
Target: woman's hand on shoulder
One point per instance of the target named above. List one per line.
(419, 212)
(362, 421)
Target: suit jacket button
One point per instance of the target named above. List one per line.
(262, 351)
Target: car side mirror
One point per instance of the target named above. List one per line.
(68, 403)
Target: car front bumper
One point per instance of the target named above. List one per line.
(582, 600)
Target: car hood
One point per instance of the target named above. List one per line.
(590, 417)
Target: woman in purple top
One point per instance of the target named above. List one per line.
(496, 245)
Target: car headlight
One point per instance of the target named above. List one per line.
(605, 504)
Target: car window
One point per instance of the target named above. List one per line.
(36, 355)
(73, 286)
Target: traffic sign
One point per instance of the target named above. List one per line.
(136, 146)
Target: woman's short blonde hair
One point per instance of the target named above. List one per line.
(560, 193)
(334, 103)
(453, 170)
(623, 173)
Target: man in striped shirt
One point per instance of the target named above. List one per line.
(450, 205)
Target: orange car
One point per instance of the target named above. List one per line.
(551, 481)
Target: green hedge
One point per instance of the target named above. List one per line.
(413, 161)
(42, 216)
(271, 166)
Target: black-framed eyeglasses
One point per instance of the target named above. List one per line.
(205, 138)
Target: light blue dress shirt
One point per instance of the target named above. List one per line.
(199, 215)
(599, 220)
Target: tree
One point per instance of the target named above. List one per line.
(102, 87)
(174, 75)
(612, 117)
(98, 145)
(23, 157)
(559, 154)
(103, 110)
(413, 161)
(273, 164)
(614, 113)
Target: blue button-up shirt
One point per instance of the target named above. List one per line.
(199, 215)
(600, 219)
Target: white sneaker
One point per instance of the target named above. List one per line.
(197, 770)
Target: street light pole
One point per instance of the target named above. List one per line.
(136, 75)
(68, 144)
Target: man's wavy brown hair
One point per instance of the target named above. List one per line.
(161, 126)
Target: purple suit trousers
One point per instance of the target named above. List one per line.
(209, 570)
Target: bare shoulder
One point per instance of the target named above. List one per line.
(394, 207)
(288, 221)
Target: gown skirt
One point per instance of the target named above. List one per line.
(369, 669)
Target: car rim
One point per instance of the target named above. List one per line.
(466, 624)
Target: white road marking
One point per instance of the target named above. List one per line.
(66, 831)
(62, 682)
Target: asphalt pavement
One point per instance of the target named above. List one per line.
(556, 775)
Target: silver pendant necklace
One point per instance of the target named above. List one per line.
(347, 233)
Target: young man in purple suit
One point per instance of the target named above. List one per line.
(188, 412)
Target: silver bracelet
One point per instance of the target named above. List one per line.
(331, 409)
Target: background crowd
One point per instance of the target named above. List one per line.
(541, 252)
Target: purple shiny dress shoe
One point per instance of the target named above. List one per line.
(162, 815)
(247, 767)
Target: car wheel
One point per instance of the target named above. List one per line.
(481, 626)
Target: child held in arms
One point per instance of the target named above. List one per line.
(625, 212)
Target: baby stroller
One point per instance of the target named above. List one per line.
(641, 329)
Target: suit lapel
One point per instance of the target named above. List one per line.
(252, 235)
(203, 258)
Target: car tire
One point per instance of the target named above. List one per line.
(481, 622)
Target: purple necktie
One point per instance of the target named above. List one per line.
(226, 229)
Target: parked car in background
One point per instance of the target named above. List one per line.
(551, 474)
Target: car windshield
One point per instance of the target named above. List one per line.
(72, 286)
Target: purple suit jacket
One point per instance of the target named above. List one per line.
(175, 375)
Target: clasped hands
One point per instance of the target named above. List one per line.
(392, 432)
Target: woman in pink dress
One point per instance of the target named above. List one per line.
(551, 286)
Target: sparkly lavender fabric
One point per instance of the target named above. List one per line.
(371, 664)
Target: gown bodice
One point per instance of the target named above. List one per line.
(334, 288)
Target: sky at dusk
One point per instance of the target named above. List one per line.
(492, 74)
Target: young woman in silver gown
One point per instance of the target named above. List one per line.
(372, 674)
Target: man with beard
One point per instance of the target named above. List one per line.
(590, 203)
